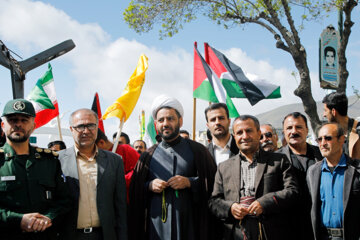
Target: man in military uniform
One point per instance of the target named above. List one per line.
(33, 194)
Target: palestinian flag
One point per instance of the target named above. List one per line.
(43, 97)
(237, 85)
(207, 85)
(96, 108)
(150, 134)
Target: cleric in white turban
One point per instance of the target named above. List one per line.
(171, 183)
(164, 101)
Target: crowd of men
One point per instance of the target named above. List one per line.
(243, 185)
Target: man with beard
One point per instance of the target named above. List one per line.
(254, 190)
(223, 145)
(335, 110)
(301, 155)
(269, 138)
(171, 183)
(33, 192)
(140, 146)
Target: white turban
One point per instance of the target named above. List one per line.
(166, 101)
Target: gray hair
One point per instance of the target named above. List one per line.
(85, 110)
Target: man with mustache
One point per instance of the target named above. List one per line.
(335, 110)
(254, 190)
(33, 192)
(269, 138)
(334, 188)
(171, 183)
(301, 155)
(223, 145)
(97, 183)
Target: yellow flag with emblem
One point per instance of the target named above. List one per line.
(125, 104)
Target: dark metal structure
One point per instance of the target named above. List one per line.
(18, 69)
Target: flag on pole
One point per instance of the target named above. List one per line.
(238, 85)
(142, 124)
(43, 97)
(207, 85)
(150, 134)
(97, 109)
(125, 104)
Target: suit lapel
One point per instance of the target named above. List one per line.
(315, 181)
(233, 147)
(235, 173)
(349, 174)
(260, 168)
(70, 165)
(102, 164)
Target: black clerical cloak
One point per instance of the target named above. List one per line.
(204, 222)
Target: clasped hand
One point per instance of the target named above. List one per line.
(176, 182)
(239, 211)
(35, 222)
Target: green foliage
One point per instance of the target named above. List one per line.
(170, 15)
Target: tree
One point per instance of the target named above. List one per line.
(276, 16)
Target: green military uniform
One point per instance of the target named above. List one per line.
(30, 183)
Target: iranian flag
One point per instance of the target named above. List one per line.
(43, 97)
(236, 83)
(150, 133)
(207, 85)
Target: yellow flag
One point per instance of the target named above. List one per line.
(125, 104)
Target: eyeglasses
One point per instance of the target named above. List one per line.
(326, 138)
(266, 135)
(81, 127)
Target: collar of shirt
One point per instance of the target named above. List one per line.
(342, 164)
(83, 157)
(227, 146)
(255, 157)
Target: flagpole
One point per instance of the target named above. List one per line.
(194, 118)
(116, 141)
(59, 127)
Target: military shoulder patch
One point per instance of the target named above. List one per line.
(46, 150)
(39, 150)
(55, 153)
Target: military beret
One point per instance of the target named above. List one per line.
(19, 106)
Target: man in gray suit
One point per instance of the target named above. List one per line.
(254, 190)
(97, 183)
(334, 185)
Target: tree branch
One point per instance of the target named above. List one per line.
(348, 23)
(291, 23)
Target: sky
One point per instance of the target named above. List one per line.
(107, 52)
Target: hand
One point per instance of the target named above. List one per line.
(157, 185)
(255, 208)
(238, 211)
(179, 182)
(41, 223)
(27, 221)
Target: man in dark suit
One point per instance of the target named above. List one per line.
(253, 190)
(301, 155)
(223, 145)
(96, 179)
(334, 185)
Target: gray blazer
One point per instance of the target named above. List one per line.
(110, 197)
(275, 189)
(351, 198)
